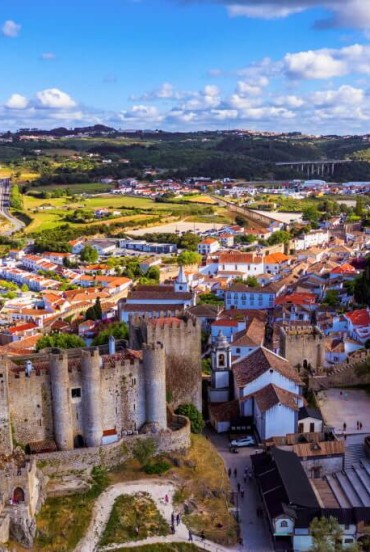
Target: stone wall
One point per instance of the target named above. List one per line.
(343, 374)
(327, 465)
(67, 462)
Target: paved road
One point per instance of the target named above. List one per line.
(254, 531)
(15, 223)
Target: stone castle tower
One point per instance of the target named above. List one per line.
(74, 399)
(181, 338)
(303, 346)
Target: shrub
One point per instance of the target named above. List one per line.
(144, 450)
(157, 468)
(195, 417)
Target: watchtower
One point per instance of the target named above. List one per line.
(60, 389)
(302, 345)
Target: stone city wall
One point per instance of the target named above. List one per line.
(65, 462)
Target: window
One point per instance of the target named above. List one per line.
(76, 393)
(221, 359)
(284, 524)
(348, 541)
(238, 349)
(312, 427)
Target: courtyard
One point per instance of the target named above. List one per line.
(345, 406)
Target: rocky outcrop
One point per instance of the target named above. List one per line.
(23, 530)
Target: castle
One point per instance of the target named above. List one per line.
(60, 402)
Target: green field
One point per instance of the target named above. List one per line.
(47, 214)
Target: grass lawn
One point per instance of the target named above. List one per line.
(62, 522)
(134, 517)
(88, 188)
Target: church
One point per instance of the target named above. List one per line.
(261, 385)
(153, 301)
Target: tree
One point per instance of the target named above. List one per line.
(89, 254)
(327, 536)
(119, 330)
(281, 236)
(311, 214)
(16, 200)
(188, 258)
(153, 274)
(144, 451)
(362, 286)
(331, 298)
(95, 312)
(251, 281)
(195, 417)
(60, 341)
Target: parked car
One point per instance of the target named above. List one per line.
(244, 442)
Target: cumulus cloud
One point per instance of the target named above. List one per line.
(16, 101)
(55, 99)
(10, 29)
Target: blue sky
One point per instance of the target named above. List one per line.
(186, 64)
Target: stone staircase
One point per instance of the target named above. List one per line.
(351, 487)
(354, 454)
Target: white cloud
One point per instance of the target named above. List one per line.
(344, 96)
(313, 65)
(48, 56)
(10, 29)
(55, 99)
(16, 101)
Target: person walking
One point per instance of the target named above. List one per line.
(238, 486)
(178, 519)
(173, 529)
(202, 535)
(173, 518)
(229, 472)
(190, 539)
(166, 499)
(344, 426)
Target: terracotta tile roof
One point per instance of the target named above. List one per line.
(239, 257)
(243, 314)
(276, 258)
(297, 299)
(208, 241)
(259, 362)
(252, 336)
(225, 323)
(344, 269)
(222, 412)
(272, 395)
(22, 328)
(360, 317)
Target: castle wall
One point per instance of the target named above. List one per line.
(302, 346)
(63, 462)
(155, 384)
(6, 444)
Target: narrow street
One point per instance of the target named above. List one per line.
(254, 530)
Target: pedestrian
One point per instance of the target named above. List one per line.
(173, 529)
(242, 492)
(229, 472)
(166, 499)
(360, 425)
(238, 485)
(235, 472)
(190, 539)
(344, 426)
(178, 519)
(202, 536)
(173, 518)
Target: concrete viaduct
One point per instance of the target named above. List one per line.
(319, 168)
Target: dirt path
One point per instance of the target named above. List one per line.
(103, 508)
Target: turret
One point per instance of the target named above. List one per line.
(154, 364)
(60, 389)
(6, 440)
(91, 396)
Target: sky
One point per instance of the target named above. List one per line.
(186, 65)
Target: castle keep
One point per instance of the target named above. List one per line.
(82, 398)
(302, 345)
